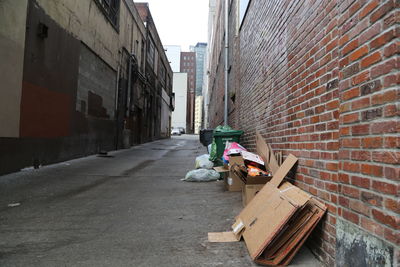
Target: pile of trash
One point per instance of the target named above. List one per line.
(277, 217)
(204, 171)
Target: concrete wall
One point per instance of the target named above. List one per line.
(60, 99)
(49, 80)
(180, 89)
(12, 44)
(319, 80)
(96, 86)
(86, 22)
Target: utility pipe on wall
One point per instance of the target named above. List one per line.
(226, 64)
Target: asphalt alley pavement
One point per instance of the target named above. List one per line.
(129, 209)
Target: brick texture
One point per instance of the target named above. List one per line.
(319, 79)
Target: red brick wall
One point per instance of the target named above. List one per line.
(188, 65)
(369, 124)
(318, 79)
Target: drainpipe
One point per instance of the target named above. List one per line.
(128, 93)
(226, 64)
(116, 106)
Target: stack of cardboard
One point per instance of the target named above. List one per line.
(278, 220)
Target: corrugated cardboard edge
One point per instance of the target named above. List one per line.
(220, 237)
(238, 228)
(281, 173)
(234, 236)
(301, 239)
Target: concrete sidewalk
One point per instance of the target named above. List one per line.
(131, 209)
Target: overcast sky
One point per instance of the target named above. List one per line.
(180, 22)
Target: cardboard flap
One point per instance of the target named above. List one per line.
(283, 170)
(252, 157)
(236, 170)
(257, 179)
(236, 160)
(265, 151)
(221, 169)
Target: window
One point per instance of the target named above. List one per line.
(150, 52)
(142, 56)
(162, 74)
(110, 9)
(242, 10)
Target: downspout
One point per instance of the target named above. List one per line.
(226, 64)
(128, 94)
(116, 106)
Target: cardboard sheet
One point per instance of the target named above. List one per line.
(222, 237)
(221, 169)
(283, 170)
(261, 227)
(249, 191)
(233, 183)
(283, 248)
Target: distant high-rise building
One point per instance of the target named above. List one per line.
(173, 53)
(201, 50)
(188, 65)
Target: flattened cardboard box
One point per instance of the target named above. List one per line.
(285, 246)
(277, 221)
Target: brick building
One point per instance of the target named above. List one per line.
(319, 79)
(188, 65)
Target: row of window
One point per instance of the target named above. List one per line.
(188, 57)
(188, 70)
(188, 64)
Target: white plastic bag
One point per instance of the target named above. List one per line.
(201, 175)
(203, 162)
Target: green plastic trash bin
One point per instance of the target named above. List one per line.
(223, 134)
